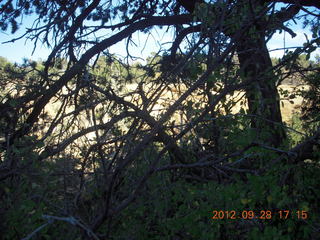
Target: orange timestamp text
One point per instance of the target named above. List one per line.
(261, 214)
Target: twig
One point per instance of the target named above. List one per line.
(37, 230)
(74, 222)
(71, 220)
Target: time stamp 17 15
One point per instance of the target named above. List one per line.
(261, 214)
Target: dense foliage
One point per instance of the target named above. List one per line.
(187, 144)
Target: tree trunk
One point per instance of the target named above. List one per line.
(262, 94)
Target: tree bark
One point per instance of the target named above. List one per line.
(262, 95)
(256, 66)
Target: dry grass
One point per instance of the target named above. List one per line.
(289, 108)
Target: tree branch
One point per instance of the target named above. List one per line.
(189, 4)
(305, 3)
(77, 24)
(78, 67)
